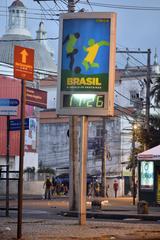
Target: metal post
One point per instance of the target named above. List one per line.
(103, 190)
(7, 169)
(148, 91)
(83, 160)
(20, 181)
(133, 166)
(73, 156)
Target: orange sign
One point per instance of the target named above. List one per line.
(24, 63)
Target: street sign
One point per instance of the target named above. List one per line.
(86, 72)
(8, 110)
(24, 63)
(36, 97)
(15, 124)
(9, 102)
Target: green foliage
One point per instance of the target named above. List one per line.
(155, 92)
(151, 138)
(29, 170)
(144, 138)
(46, 170)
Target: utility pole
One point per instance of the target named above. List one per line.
(103, 169)
(71, 6)
(73, 155)
(148, 83)
(133, 165)
(73, 143)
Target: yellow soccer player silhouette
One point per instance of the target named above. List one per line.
(92, 51)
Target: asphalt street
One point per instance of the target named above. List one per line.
(43, 219)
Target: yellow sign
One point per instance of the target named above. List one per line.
(158, 188)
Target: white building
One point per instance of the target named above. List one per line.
(53, 142)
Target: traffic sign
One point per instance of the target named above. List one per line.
(15, 124)
(36, 97)
(9, 102)
(24, 63)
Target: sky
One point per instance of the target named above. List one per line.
(136, 29)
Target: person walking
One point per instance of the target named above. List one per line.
(115, 187)
(47, 185)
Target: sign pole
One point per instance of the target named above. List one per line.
(21, 154)
(83, 161)
(7, 169)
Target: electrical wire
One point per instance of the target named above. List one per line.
(34, 18)
(126, 7)
(28, 40)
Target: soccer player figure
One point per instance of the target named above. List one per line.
(92, 51)
(70, 41)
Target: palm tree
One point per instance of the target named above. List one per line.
(155, 92)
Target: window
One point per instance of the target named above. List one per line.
(134, 96)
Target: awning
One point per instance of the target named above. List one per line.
(150, 154)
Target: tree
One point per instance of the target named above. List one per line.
(155, 92)
(46, 170)
(142, 137)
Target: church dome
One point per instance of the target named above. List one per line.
(43, 61)
(18, 34)
(17, 3)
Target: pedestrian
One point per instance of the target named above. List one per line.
(47, 185)
(107, 189)
(115, 187)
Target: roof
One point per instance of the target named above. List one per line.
(43, 60)
(17, 3)
(150, 154)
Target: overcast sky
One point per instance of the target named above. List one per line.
(135, 28)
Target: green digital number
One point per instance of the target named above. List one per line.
(71, 101)
(99, 101)
(90, 103)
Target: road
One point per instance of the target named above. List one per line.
(42, 220)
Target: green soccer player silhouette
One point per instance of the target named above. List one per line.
(70, 41)
(92, 51)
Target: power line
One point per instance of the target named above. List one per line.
(126, 7)
(34, 18)
(28, 40)
(36, 70)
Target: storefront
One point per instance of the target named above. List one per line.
(149, 176)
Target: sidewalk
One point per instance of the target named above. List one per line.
(116, 209)
(71, 230)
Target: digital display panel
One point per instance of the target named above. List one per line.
(147, 175)
(86, 64)
(83, 100)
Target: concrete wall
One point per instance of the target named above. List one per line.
(30, 188)
(36, 187)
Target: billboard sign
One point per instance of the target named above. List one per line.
(86, 64)
(24, 63)
(31, 136)
(36, 97)
(147, 175)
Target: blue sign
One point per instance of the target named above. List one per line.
(9, 102)
(85, 53)
(15, 124)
